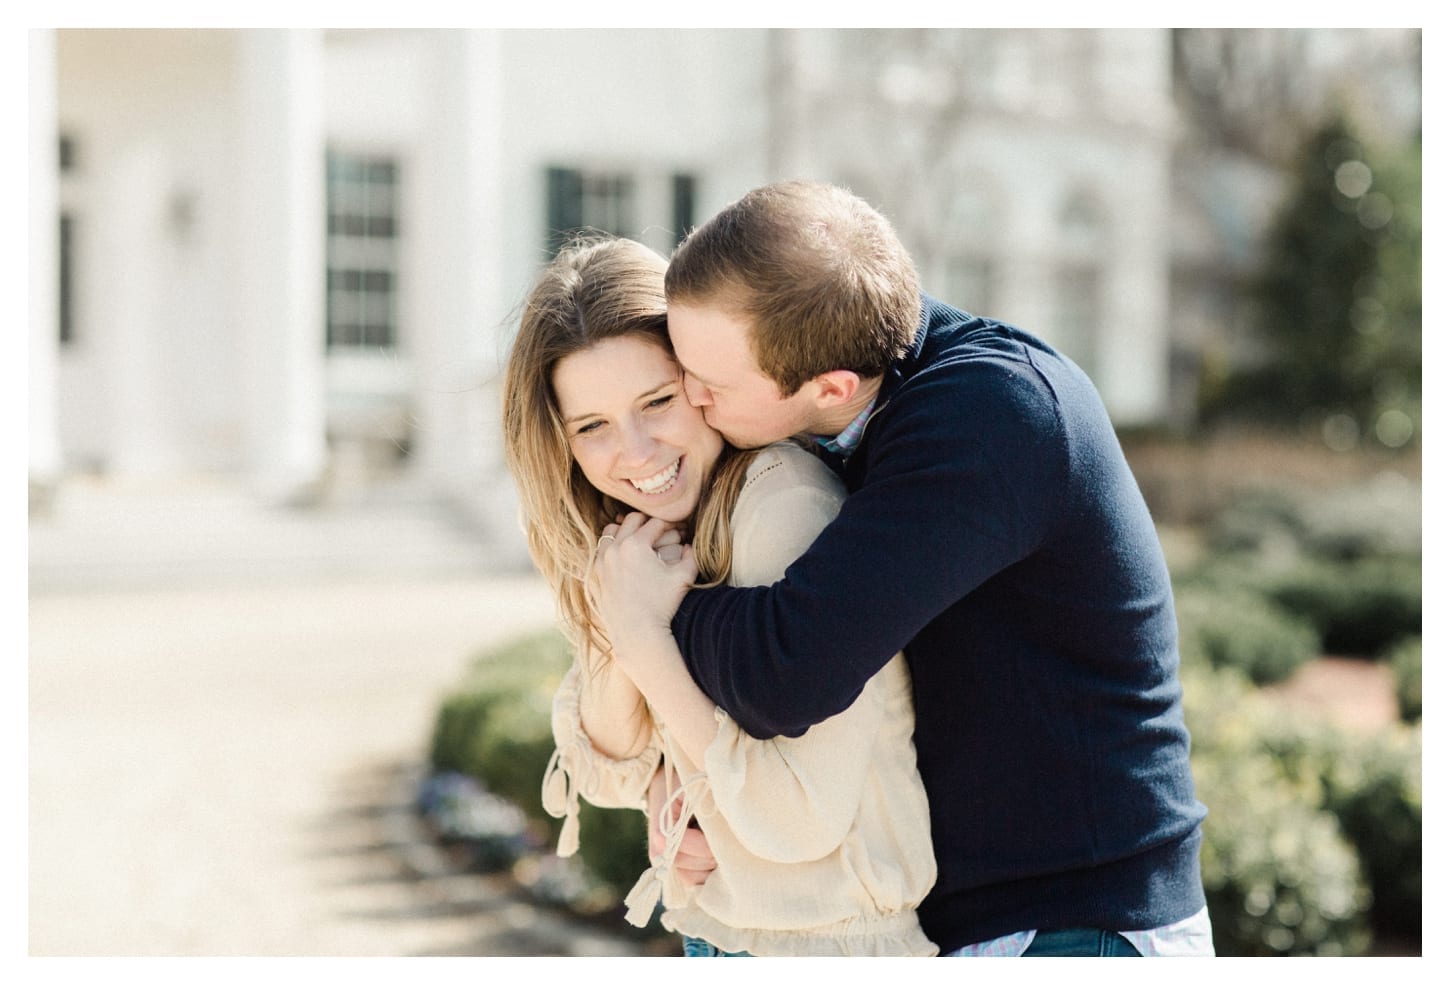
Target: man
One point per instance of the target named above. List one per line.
(992, 531)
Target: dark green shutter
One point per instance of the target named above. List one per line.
(566, 205)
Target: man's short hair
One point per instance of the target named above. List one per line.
(819, 274)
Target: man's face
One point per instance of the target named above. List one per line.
(723, 379)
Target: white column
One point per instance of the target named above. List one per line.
(128, 333)
(44, 448)
(456, 339)
(281, 268)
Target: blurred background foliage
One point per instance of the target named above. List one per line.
(1336, 307)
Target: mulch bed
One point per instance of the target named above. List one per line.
(1352, 692)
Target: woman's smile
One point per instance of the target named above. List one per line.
(661, 481)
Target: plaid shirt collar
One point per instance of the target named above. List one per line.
(845, 442)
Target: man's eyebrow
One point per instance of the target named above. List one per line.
(643, 396)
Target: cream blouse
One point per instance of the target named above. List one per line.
(822, 842)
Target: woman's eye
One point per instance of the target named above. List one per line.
(660, 401)
(590, 427)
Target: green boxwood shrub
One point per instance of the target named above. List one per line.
(1358, 607)
(1346, 560)
(496, 728)
(1231, 627)
(458, 722)
(514, 746)
(1380, 517)
(1257, 521)
(1373, 786)
(1279, 874)
(1404, 659)
(613, 845)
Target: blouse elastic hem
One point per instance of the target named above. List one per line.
(885, 935)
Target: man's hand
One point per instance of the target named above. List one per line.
(641, 573)
(694, 861)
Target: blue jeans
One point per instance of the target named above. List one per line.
(696, 947)
(1080, 942)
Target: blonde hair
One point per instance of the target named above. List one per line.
(821, 276)
(594, 289)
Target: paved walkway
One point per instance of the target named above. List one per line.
(220, 756)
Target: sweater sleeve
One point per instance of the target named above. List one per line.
(959, 473)
(577, 769)
(790, 799)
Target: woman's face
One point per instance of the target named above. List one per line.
(631, 430)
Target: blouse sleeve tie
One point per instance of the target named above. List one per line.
(560, 792)
(645, 895)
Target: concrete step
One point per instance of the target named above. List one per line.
(96, 533)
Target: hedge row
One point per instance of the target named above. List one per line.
(1361, 608)
(1313, 840)
(1380, 518)
(1347, 564)
(1236, 627)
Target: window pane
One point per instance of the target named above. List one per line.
(362, 196)
(565, 206)
(579, 200)
(345, 306)
(67, 236)
(684, 205)
(342, 167)
(380, 225)
(380, 171)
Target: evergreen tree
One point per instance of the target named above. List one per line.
(1337, 304)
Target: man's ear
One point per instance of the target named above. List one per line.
(835, 387)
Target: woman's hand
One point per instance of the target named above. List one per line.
(641, 573)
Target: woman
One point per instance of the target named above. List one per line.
(822, 842)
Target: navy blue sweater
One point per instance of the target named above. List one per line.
(994, 532)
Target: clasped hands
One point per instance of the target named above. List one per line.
(640, 574)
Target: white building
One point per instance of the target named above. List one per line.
(292, 256)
